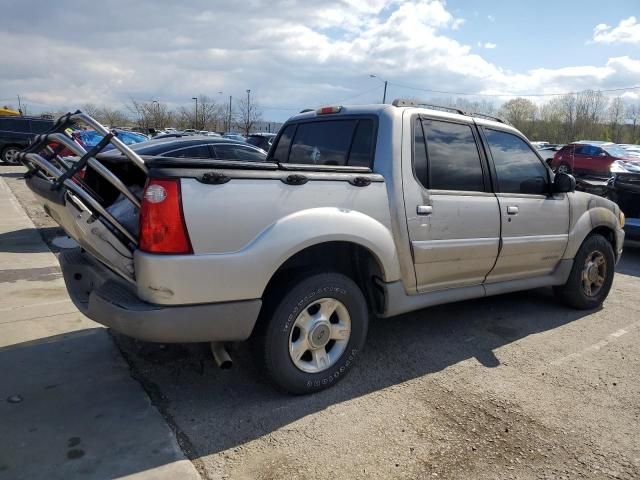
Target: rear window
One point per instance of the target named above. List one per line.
(348, 142)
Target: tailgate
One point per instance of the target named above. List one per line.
(100, 228)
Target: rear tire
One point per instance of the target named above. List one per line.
(9, 154)
(309, 336)
(591, 275)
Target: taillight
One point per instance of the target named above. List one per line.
(162, 227)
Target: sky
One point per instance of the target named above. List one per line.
(301, 54)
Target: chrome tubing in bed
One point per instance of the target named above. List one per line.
(80, 192)
(96, 165)
(115, 141)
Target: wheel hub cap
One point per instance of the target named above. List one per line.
(594, 273)
(319, 335)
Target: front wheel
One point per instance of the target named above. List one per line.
(591, 275)
(10, 155)
(309, 339)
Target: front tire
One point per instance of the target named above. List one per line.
(591, 276)
(309, 338)
(9, 155)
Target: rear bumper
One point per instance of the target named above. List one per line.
(108, 299)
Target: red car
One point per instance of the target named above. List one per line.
(588, 158)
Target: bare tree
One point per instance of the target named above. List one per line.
(633, 114)
(113, 117)
(150, 115)
(521, 113)
(248, 115)
(616, 118)
(92, 110)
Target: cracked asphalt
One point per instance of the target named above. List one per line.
(515, 386)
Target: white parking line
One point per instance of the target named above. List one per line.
(598, 345)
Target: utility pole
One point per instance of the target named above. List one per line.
(157, 105)
(19, 105)
(248, 124)
(229, 122)
(196, 117)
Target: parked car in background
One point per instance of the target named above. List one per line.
(234, 136)
(90, 138)
(540, 144)
(198, 147)
(548, 152)
(17, 131)
(261, 140)
(176, 134)
(633, 150)
(588, 158)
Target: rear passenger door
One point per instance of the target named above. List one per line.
(535, 224)
(452, 215)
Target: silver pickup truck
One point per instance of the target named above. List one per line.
(358, 211)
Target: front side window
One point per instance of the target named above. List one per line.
(518, 168)
(348, 142)
(452, 158)
(199, 151)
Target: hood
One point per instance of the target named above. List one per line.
(626, 165)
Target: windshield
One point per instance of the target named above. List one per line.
(615, 151)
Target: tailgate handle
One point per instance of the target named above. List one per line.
(360, 181)
(213, 178)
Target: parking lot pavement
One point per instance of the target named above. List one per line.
(68, 405)
(514, 386)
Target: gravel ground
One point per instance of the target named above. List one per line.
(514, 386)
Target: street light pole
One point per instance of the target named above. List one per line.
(384, 94)
(157, 105)
(196, 117)
(248, 124)
(229, 122)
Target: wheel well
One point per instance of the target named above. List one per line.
(607, 233)
(353, 260)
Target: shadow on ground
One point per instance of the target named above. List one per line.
(236, 406)
(27, 240)
(69, 409)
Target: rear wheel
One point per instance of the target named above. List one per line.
(309, 338)
(591, 275)
(10, 154)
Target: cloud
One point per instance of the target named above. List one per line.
(491, 18)
(488, 45)
(627, 31)
(290, 54)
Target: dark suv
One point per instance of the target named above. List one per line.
(17, 132)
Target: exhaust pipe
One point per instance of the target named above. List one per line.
(221, 356)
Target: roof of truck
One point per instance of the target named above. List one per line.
(402, 105)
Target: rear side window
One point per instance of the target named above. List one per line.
(328, 143)
(238, 152)
(453, 161)
(518, 168)
(282, 149)
(199, 151)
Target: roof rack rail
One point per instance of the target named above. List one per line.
(401, 102)
(490, 117)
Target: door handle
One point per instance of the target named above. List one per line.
(424, 210)
(512, 210)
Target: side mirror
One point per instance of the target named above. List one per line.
(564, 183)
(603, 154)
